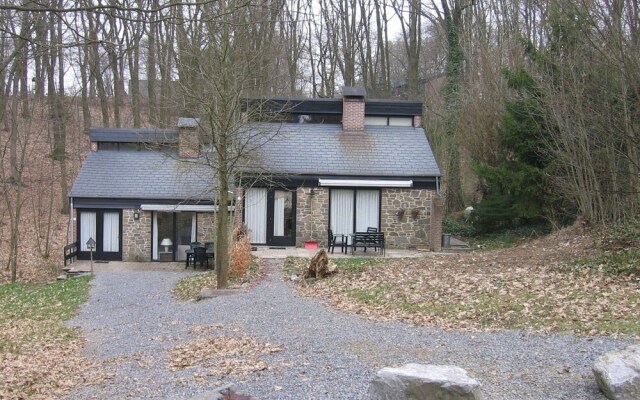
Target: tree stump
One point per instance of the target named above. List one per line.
(319, 266)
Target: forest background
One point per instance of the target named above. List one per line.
(532, 107)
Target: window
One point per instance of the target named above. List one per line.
(388, 121)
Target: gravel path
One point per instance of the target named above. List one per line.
(131, 321)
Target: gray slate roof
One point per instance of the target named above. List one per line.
(325, 149)
(133, 135)
(141, 175)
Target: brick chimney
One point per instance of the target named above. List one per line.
(188, 140)
(353, 108)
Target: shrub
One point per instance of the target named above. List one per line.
(625, 262)
(459, 228)
(240, 252)
(623, 234)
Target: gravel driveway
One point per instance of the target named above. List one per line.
(131, 321)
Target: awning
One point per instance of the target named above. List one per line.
(365, 183)
(181, 207)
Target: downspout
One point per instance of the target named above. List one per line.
(71, 233)
(438, 185)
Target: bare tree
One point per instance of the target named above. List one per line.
(224, 68)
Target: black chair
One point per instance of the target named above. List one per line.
(210, 250)
(339, 240)
(193, 245)
(372, 230)
(200, 256)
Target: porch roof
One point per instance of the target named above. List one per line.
(142, 175)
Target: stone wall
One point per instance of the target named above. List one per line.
(136, 236)
(406, 217)
(312, 215)
(206, 227)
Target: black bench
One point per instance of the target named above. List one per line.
(366, 240)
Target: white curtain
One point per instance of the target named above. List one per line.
(278, 213)
(154, 234)
(341, 211)
(87, 229)
(367, 209)
(194, 221)
(111, 232)
(255, 214)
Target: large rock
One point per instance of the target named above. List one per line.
(424, 382)
(618, 373)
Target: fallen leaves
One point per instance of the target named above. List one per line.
(222, 355)
(529, 287)
(39, 357)
(46, 369)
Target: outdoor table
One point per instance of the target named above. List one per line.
(189, 252)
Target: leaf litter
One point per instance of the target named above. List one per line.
(532, 286)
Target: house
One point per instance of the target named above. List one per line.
(347, 164)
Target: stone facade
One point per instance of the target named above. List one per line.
(312, 215)
(405, 217)
(419, 227)
(206, 227)
(136, 236)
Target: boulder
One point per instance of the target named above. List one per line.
(618, 373)
(424, 382)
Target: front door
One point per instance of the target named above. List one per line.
(270, 216)
(103, 226)
(281, 218)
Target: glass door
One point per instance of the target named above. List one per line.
(281, 217)
(172, 234)
(110, 232)
(103, 226)
(255, 214)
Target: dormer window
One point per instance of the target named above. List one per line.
(388, 121)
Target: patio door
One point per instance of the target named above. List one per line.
(354, 210)
(270, 216)
(172, 234)
(255, 214)
(104, 227)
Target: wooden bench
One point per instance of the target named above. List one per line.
(366, 240)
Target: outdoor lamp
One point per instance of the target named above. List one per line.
(91, 244)
(166, 242)
(136, 214)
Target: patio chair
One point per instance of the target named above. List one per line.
(200, 256)
(334, 240)
(210, 250)
(372, 230)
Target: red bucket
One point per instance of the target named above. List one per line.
(311, 245)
